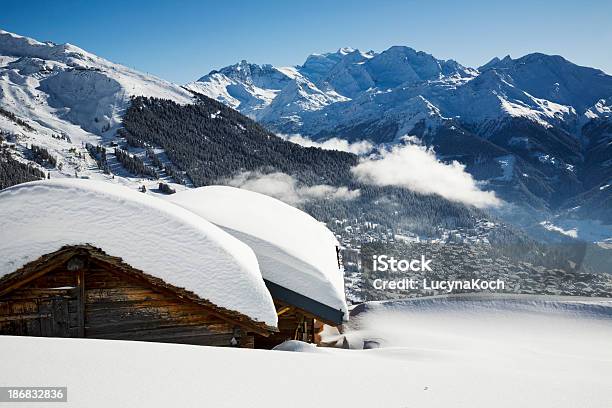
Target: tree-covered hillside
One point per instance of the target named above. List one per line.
(209, 141)
(212, 143)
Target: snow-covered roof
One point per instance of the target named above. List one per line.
(148, 233)
(294, 250)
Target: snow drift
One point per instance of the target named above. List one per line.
(440, 358)
(294, 250)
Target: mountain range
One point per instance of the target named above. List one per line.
(536, 129)
(65, 112)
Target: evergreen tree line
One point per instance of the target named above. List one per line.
(134, 164)
(98, 153)
(13, 172)
(209, 147)
(42, 156)
(170, 170)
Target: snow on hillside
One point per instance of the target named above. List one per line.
(432, 356)
(546, 117)
(80, 87)
(601, 109)
(588, 230)
(67, 97)
(43, 216)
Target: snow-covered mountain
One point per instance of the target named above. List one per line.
(530, 127)
(67, 113)
(547, 90)
(60, 97)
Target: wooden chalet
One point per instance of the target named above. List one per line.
(80, 291)
(80, 258)
(298, 257)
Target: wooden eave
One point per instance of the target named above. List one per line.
(305, 305)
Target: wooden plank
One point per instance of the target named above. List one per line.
(61, 319)
(168, 311)
(222, 339)
(38, 293)
(247, 342)
(73, 305)
(46, 320)
(33, 327)
(23, 317)
(121, 294)
(23, 307)
(81, 303)
(172, 331)
(73, 319)
(142, 325)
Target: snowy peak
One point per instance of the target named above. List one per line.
(59, 97)
(88, 89)
(244, 86)
(263, 76)
(601, 109)
(395, 66)
(18, 46)
(317, 66)
(400, 64)
(556, 79)
(273, 94)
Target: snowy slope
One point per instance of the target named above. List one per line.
(67, 97)
(437, 358)
(294, 250)
(41, 217)
(547, 115)
(79, 87)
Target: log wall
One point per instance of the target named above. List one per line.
(100, 302)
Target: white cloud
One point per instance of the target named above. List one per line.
(286, 188)
(360, 147)
(416, 168)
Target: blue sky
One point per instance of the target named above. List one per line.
(181, 41)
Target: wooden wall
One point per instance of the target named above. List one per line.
(47, 306)
(104, 303)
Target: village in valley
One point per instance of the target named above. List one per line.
(462, 253)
